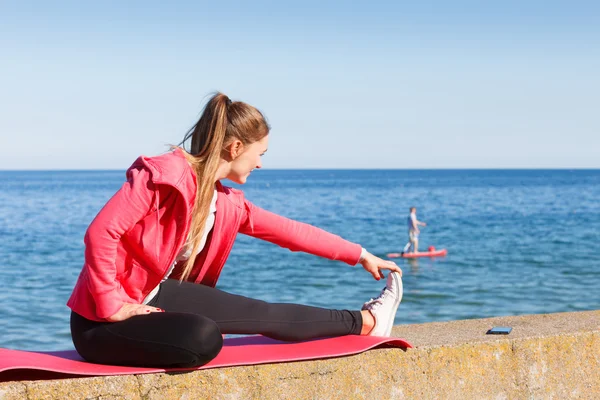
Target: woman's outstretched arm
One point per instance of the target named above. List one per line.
(299, 236)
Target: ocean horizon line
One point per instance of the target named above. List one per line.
(337, 169)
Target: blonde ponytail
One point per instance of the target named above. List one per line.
(222, 121)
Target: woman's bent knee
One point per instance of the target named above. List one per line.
(170, 340)
(203, 339)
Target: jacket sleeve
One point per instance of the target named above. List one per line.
(128, 206)
(297, 236)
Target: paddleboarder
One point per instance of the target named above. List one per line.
(413, 231)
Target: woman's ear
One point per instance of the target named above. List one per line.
(234, 149)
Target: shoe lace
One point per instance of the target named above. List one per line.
(375, 303)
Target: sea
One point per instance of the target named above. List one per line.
(518, 241)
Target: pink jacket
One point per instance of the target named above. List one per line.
(135, 238)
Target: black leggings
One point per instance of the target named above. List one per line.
(188, 333)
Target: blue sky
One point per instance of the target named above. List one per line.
(446, 84)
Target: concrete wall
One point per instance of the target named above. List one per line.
(553, 356)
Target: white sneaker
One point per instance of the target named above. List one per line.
(384, 307)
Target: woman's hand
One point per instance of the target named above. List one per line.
(129, 310)
(375, 265)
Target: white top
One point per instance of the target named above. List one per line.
(412, 218)
(186, 250)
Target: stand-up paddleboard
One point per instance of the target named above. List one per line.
(250, 350)
(430, 253)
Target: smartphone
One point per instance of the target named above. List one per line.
(499, 330)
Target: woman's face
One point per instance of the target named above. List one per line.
(247, 160)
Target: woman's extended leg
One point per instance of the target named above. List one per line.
(241, 315)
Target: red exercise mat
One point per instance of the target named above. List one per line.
(249, 350)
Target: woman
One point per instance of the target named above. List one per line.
(146, 295)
